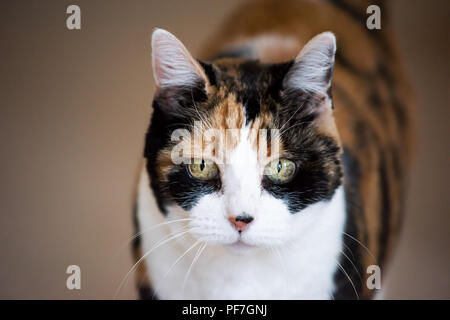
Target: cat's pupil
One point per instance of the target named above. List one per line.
(279, 166)
(202, 165)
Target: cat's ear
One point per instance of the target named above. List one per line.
(306, 87)
(313, 67)
(173, 66)
(181, 81)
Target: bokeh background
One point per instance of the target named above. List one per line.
(74, 110)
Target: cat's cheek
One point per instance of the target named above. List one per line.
(208, 221)
(272, 224)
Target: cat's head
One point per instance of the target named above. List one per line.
(239, 196)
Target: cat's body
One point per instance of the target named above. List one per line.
(310, 237)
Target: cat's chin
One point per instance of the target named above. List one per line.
(240, 247)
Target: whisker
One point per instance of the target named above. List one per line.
(356, 269)
(159, 244)
(349, 279)
(197, 255)
(357, 241)
(181, 125)
(173, 265)
(292, 116)
(157, 226)
(294, 125)
(283, 263)
(348, 248)
(202, 118)
(136, 235)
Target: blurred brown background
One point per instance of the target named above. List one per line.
(74, 110)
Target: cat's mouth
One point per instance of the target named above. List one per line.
(240, 246)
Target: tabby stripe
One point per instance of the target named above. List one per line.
(374, 99)
(395, 102)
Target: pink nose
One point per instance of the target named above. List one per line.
(241, 222)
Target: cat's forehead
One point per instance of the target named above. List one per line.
(237, 66)
(242, 100)
(231, 124)
(246, 91)
(247, 74)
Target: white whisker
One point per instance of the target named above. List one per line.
(147, 230)
(349, 279)
(159, 244)
(284, 266)
(356, 269)
(197, 255)
(357, 241)
(291, 116)
(174, 264)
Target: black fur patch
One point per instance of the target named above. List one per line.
(186, 191)
(209, 71)
(312, 182)
(172, 110)
(146, 292)
(255, 86)
(349, 284)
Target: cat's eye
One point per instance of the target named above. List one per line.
(203, 170)
(280, 170)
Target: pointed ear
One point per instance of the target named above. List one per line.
(173, 66)
(313, 67)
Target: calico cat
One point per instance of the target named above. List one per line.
(306, 221)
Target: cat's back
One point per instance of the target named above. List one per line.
(372, 100)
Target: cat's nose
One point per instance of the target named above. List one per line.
(241, 222)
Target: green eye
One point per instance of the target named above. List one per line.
(203, 170)
(280, 170)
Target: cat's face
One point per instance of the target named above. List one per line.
(238, 189)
